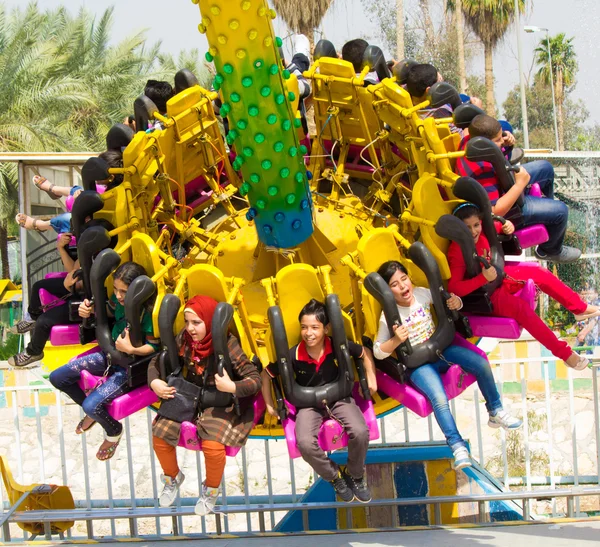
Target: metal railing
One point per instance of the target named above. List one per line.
(89, 515)
(127, 487)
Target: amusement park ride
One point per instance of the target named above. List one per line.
(301, 219)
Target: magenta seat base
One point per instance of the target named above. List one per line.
(532, 236)
(49, 300)
(125, 405)
(65, 335)
(331, 435)
(503, 327)
(455, 382)
(188, 437)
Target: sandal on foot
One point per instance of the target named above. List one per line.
(79, 429)
(104, 454)
(38, 180)
(21, 220)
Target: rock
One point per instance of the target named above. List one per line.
(585, 422)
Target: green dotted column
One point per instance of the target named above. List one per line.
(262, 124)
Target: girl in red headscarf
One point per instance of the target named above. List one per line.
(217, 426)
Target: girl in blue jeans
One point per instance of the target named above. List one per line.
(414, 308)
(66, 378)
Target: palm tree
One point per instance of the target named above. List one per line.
(399, 30)
(302, 17)
(61, 87)
(490, 20)
(564, 69)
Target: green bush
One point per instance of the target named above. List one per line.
(9, 347)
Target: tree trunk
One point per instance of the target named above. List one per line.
(490, 103)
(560, 99)
(460, 37)
(400, 30)
(4, 249)
(427, 22)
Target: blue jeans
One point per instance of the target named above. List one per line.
(61, 223)
(542, 172)
(428, 381)
(66, 379)
(553, 214)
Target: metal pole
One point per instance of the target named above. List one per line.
(522, 78)
(552, 88)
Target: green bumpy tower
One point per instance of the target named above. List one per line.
(262, 125)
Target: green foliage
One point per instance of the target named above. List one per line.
(9, 347)
(515, 452)
(564, 60)
(540, 115)
(63, 85)
(441, 51)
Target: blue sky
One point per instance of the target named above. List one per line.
(174, 22)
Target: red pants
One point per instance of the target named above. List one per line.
(507, 305)
(214, 460)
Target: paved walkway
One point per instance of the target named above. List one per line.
(560, 533)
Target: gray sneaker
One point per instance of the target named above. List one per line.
(23, 359)
(567, 254)
(169, 493)
(22, 327)
(207, 501)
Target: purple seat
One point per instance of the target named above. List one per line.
(125, 405)
(503, 327)
(48, 300)
(532, 236)
(65, 335)
(188, 437)
(56, 275)
(455, 381)
(331, 434)
(60, 335)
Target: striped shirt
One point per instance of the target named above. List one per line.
(481, 171)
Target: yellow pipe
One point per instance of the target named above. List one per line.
(407, 217)
(268, 286)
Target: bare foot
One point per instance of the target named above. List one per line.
(30, 223)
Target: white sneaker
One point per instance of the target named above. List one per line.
(301, 44)
(207, 501)
(462, 458)
(169, 493)
(503, 419)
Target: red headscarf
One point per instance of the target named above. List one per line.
(204, 307)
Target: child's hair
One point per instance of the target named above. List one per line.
(114, 158)
(128, 271)
(354, 51)
(389, 268)
(419, 78)
(316, 308)
(467, 210)
(159, 93)
(483, 125)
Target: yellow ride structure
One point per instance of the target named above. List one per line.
(281, 229)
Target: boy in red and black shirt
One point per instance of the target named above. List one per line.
(314, 365)
(552, 213)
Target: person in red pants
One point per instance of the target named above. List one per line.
(504, 301)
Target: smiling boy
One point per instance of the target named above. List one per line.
(314, 365)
